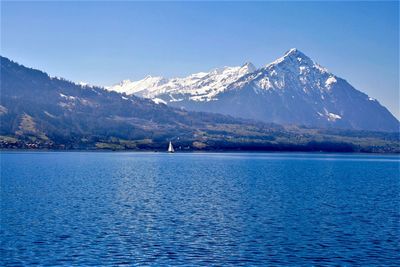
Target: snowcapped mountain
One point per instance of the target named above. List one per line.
(291, 90)
(202, 86)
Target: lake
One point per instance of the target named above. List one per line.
(95, 208)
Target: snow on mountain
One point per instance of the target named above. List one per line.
(206, 86)
(137, 87)
(294, 69)
(293, 89)
(83, 84)
(202, 86)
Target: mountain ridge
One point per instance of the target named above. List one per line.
(293, 89)
(42, 112)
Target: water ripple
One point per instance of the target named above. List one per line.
(149, 209)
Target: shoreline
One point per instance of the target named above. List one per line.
(196, 152)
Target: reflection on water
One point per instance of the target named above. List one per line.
(199, 209)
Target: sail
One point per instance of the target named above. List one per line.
(170, 148)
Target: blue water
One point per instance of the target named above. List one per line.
(78, 208)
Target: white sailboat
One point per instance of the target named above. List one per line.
(170, 148)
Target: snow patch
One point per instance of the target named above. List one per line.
(331, 80)
(159, 101)
(329, 115)
(67, 97)
(49, 114)
(264, 83)
(333, 117)
(303, 70)
(320, 68)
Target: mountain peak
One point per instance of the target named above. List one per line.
(295, 59)
(249, 67)
(293, 55)
(293, 89)
(293, 52)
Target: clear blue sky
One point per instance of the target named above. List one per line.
(105, 42)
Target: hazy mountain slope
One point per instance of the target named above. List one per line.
(34, 103)
(292, 90)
